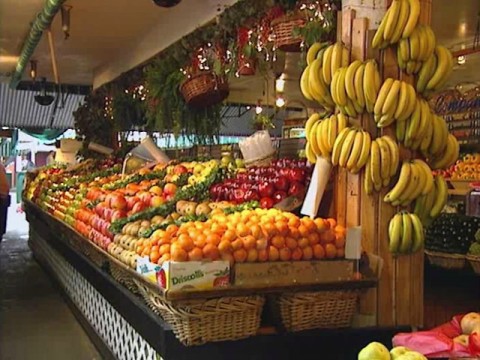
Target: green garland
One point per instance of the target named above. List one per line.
(135, 178)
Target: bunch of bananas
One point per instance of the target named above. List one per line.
(382, 164)
(415, 179)
(351, 149)
(405, 233)
(356, 87)
(429, 206)
(435, 71)
(322, 62)
(448, 156)
(321, 135)
(417, 130)
(399, 22)
(416, 49)
(396, 101)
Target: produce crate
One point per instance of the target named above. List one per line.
(446, 261)
(475, 262)
(197, 322)
(317, 309)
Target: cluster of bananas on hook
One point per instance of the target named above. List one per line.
(405, 233)
(398, 23)
(396, 101)
(382, 164)
(351, 149)
(435, 71)
(322, 62)
(413, 51)
(355, 88)
(429, 206)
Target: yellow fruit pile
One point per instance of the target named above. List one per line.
(467, 168)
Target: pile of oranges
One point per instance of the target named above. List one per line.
(248, 236)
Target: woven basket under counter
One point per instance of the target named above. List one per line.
(317, 309)
(204, 89)
(196, 322)
(475, 263)
(122, 274)
(446, 261)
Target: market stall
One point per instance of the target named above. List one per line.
(242, 253)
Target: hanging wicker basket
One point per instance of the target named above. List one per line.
(283, 32)
(204, 89)
(247, 66)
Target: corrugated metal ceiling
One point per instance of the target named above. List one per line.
(19, 109)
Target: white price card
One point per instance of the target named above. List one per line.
(318, 183)
(353, 245)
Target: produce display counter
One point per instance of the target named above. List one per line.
(124, 327)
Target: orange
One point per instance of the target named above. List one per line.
(307, 253)
(318, 251)
(291, 243)
(270, 229)
(252, 255)
(256, 231)
(154, 248)
(294, 221)
(186, 242)
(303, 242)
(309, 223)
(171, 229)
(165, 240)
(273, 253)
(255, 219)
(228, 257)
(218, 228)
(303, 230)
(340, 252)
(249, 242)
(196, 254)
(242, 230)
(211, 252)
(163, 258)
(178, 254)
(330, 251)
(322, 224)
(158, 234)
(213, 239)
(200, 240)
(332, 223)
(164, 249)
(278, 241)
(154, 256)
(237, 244)
(327, 237)
(285, 254)
(225, 247)
(282, 227)
(262, 255)
(193, 233)
(341, 230)
(297, 254)
(229, 235)
(240, 255)
(262, 244)
(339, 241)
(294, 233)
(139, 249)
(313, 238)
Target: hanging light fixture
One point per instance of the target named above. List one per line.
(461, 60)
(33, 69)
(166, 3)
(43, 98)
(258, 108)
(280, 84)
(280, 102)
(66, 20)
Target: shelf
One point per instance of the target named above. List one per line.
(458, 192)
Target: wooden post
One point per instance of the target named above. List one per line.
(398, 300)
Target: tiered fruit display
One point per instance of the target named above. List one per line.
(356, 88)
(267, 184)
(466, 168)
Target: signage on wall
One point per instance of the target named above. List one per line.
(452, 101)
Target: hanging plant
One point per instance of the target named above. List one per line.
(127, 108)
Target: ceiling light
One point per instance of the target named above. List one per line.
(5, 127)
(8, 59)
(33, 69)
(280, 102)
(280, 84)
(463, 28)
(461, 59)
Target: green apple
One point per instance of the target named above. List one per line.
(239, 163)
(374, 351)
(397, 351)
(226, 160)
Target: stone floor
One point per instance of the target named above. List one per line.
(35, 322)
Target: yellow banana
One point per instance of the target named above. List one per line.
(423, 43)
(327, 65)
(382, 95)
(431, 41)
(403, 51)
(309, 123)
(377, 41)
(342, 122)
(412, 18)
(440, 132)
(422, 181)
(395, 230)
(425, 118)
(304, 84)
(401, 185)
(349, 109)
(400, 130)
(402, 100)
(426, 72)
(375, 164)
(402, 21)
(322, 139)
(312, 52)
(345, 57)
(341, 93)
(313, 139)
(444, 67)
(413, 124)
(364, 152)
(418, 234)
(415, 44)
(407, 196)
(356, 151)
(406, 243)
(358, 86)
(427, 139)
(392, 98)
(332, 132)
(428, 175)
(311, 157)
(337, 147)
(369, 85)
(392, 20)
(385, 159)
(347, 148)
(367, 179)
(394, 154)
(350, 79)
(441, 196)
(336, 57)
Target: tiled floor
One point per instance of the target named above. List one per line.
(35, 322)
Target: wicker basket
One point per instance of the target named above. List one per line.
(319, 309)
(283, 31)
(89, 250)
(197, 322)
(475, 262)
(204, 89)
(263, 161)
(122, 275)
(446, 261)
(247, 66)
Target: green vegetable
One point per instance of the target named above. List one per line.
(474, 249)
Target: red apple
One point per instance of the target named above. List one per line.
(131, 201)
(266, 189)
(238, 195)
(99, 208)
(296, 174)
(118, 202)
(266, 202)
(145, 197)
(251, 195)
(170, 189)
(281, 183)
(118, 214)
(296, 189)
(179, 169)
(139, 206)
(279, 196)
(157, 201)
